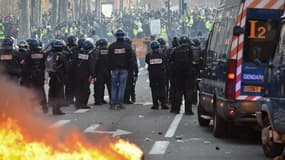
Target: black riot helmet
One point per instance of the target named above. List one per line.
(23, 45)
(161, 41)
(175, 42)
(58, 44)
(87, 45)
(34, 44)
(154, 45)
(81, 42)
(8, 42)
(101, 43)
(184, 40)
(195, 43)
(71, 40)
(120, 34)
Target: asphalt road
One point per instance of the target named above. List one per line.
(161, 134)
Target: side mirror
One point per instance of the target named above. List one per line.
(238, 30)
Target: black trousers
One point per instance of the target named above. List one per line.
(102, 79)
(82, 92)
(182, 87)
(129, 91)
(56, 92)
(70, 90)
(158, 92)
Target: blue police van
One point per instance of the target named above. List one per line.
(242, 41)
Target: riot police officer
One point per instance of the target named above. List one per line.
(157, 75)
(103, 76)
(175, 44)
(166, 51)
(56, 66)
(130, 95)
(196, 52)
(70, 81)
(182, 76)
(10, 60)
(84, 73)
(25, 63)
(120, 54)
(37, 71)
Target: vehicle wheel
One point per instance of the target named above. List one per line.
(270, 148)
(220, 126)
(202, 122)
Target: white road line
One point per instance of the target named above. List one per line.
(91, 128)
(59, 123)
(172, 128)
(81, 110)
(147, 103)
(159, 147)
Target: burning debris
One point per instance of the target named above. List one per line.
(25, 137)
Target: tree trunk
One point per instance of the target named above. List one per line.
(63, 11)
(75, 10)
(54, 12)
(89, 3)
(83, 8)
(36, 13)
(24, 30)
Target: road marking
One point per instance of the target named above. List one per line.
(81, 110)
(172, 128)
(159, 147)
(147, 103)
(116, 133)
(91, 128)
(59, 123)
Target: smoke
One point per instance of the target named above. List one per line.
(22, 105)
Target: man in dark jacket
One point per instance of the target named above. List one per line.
(182, 76)
(120, 53)
(103, 76)
(157, 75)
(57, 67)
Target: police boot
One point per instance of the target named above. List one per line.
(57, 111)
(190, 112)
(164, 107)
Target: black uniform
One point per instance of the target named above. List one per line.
(182, 78)
(131, 82)
(157, 77)
(70, 81)
(196, 50)
(103, 75)
(57, 66)
(167, 51)
(84, 72)
(10, 60)
(37, 66)
(25, 64)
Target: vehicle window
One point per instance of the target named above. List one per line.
(222, 31)
(261, 36)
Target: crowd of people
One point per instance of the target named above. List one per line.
(135, 23)
(74, 64)
(71, 68)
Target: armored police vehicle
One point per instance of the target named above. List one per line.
(240, 45)
(271, 113)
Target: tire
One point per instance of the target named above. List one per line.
(220, 126)
(202, 122)
(270, 149)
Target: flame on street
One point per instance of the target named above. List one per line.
(24, 136)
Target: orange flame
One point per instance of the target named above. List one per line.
(24, 135)
(16, 146)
